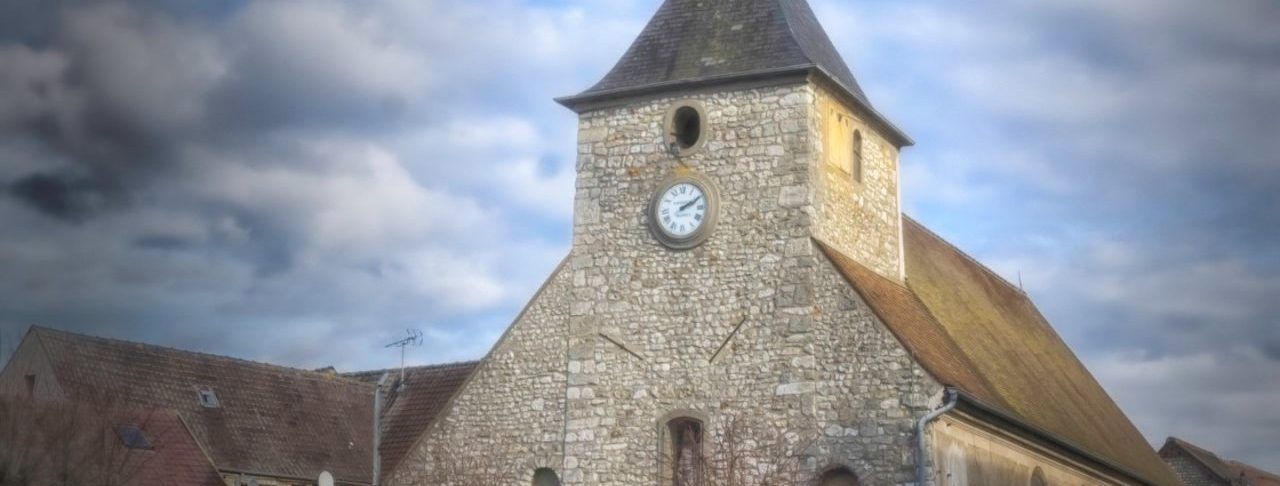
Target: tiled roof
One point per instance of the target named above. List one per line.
(1232, 471)
(1254, 476)
(411, 408)
(696, 39)
(270, 420)
(173, 459)
(1000, 350)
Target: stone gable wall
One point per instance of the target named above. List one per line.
(508, 420)
(869, 390)
(1190, 471)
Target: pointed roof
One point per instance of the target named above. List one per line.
(703, 42)
(976, 333)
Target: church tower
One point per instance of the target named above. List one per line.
(728, 139)
(750, 98)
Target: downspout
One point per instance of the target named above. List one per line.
(953, 398)
(377, 429)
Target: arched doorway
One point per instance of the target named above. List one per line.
(545, 477)
(839, 477)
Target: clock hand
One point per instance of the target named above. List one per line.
(690, 203)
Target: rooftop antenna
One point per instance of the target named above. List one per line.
(414, 339)
(1020, 288)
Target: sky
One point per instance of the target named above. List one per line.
(301, 181)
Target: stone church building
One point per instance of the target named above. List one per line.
(745, 303)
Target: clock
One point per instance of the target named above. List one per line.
(683, 212)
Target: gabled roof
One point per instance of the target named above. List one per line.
(271, 420)
(413, 405)
(1231, 471)
(975, 332)
(701, 42)
(96, 449)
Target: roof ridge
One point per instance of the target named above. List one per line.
(452, 364)
(170, 349)
(966, 255)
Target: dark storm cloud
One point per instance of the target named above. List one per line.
(268, 178)
(301, 180)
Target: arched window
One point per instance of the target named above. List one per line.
(1037, 478)
(855, 161)
(839, 477)
(685, 462)
(545, 477)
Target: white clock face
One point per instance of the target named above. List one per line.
(682, 210)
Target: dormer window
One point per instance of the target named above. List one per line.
(208, 399)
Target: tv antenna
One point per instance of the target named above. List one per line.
(414, 339)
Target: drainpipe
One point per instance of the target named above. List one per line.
(377, 428)
(923, 446)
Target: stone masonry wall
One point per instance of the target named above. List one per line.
(861, 219)
(1191, 472)
(869, 391)
(508, 420)
(744, 326)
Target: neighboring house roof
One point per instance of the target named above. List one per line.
(87, 442)
(1234, 472)
(1254, 476)
(271, 420)
(974, 331)
(411, 408)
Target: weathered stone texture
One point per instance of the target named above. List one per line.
(1191, 472)
(754, 323)
(862, 219)
(508, 420)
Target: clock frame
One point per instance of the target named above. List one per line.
(698, 236)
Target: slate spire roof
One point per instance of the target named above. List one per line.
(700, 42)
(694, 39)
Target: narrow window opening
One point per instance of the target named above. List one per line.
(686, 453)
(856, 159)
(687, 127)
(545, 477)
(839, 477)
(208, 399)
(1037, 478)
(133, 437)
(31, 386)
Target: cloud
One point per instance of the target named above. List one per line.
(1119, 160)
(300, 181)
